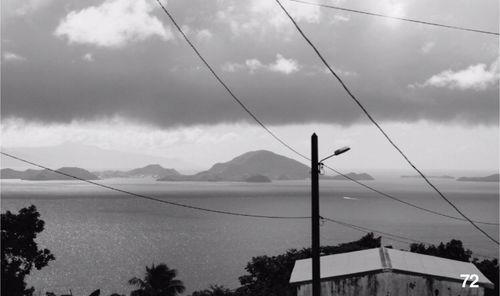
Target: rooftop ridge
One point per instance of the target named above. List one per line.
(385, 259)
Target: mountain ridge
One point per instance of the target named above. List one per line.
(47, 175)
(246, 165)
(490, 178)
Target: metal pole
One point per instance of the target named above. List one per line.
(316, 288)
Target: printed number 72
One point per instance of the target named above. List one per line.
(473, 277)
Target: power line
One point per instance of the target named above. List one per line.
(377, 125)
(272, 134)
(390, 236)
(403, 201)
(254, 117)
(397, 18)
(153, 198)
(366, 230)
(356, 227)
(235, 98)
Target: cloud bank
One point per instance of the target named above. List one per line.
(280, 65)
(114, 23)
(476, 77)
(82, 61)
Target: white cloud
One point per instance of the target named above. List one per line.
(428, 46)
(88, 57)
(324, 70)
(186, 29)
(114, 133)
(271, 12)
(394, 8)
(258, 16)
(204, 35)
(231, 67)
(477, 77)
(13, 57)
(114, 23)
(283, 65)
(338, 18)
(280, 65)
(253, 65)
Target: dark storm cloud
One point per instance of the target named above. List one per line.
(162, 82)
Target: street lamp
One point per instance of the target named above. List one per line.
(315, 168)
(337, 152)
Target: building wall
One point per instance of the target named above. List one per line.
(390, 284)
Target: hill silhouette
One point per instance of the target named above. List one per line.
(261, 162)
(44, 175)
(152, 170)
(355, 176)
(490, 178)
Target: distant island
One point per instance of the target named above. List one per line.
(153, 170)
(260, 166)
(246, 168)
(355, 176)
(490, 178)
(14, 174)
(258, 179)
(430, 177)
(46, 175)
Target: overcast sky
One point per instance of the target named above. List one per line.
(115, 74)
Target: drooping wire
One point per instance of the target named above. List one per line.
(365, 111)
(150, 197)
(387, 235)
(403, 201)
(398, 238)
(397, 18)
(237, 100)
(231, 93)
(390, 236)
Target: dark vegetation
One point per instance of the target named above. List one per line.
(455, 250)
(258, 179)
(158, 280)
(265, 275)
(20, 252)
(355, 176)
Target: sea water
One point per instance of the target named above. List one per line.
(102, 238)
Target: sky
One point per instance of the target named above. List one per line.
(115, 74)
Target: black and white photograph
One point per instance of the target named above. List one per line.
(250, 147)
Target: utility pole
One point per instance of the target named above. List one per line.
(316, 285)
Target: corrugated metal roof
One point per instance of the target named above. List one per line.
(338, 265)
(379, 259)
(435, 266)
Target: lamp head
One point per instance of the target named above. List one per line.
(341, 150)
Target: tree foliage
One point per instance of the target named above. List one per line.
(158, 280)
(270, 275)
(490, 269)
(455, 250)
(214, 290)
(20, 252)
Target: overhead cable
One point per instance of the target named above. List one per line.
(365, 111)
(254, 117)
(403, 201)
(150, 197)
(397, 18)
(239, 214)
(390, 236)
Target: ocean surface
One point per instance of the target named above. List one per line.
(102, 238)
